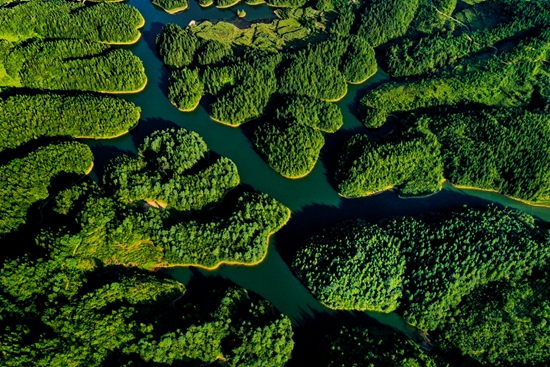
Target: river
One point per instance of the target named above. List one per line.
(313, 200)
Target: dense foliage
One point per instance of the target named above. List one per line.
(291, 149)
(109, 23)
(70, 310)
(447, 256)
(172, 6)
(372, 346)
(27, 117)
(73, 65)
(120, 226)
(353, 266)
(503, 324)
(25, 181)
(321, 115)
(501, 149)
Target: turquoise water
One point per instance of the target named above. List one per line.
(313, 200)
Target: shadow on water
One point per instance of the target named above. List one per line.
(147, 126)
(102, 155)
(150, 36)
(164, 82)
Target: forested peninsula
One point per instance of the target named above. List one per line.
(461, 94)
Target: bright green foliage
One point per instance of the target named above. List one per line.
(213, 52)
(25, 181)
(172, 6)
(507, 79)
(385, 20)
(360, 63)
(27, 117)
(185, 89)
(504, 149)
(241, 237)
(429, 18)
(320, 115)
(409, 161)
(447, 257)
(291, 149)
(161, 173)
(353, 266)
(110, 23)
(503, 324)
(374, 346)
(410, 57)
(74, 65)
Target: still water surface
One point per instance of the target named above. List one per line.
(313, 200)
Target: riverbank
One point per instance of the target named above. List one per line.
(230, 263)
(337, 99)
(187, 109)
(141, 89)
(228, 6)
(89, 169)
(135, 40)
(364, 80)
(172, 11)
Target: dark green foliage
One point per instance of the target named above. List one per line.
(248, 98)
(312, 112)
(353, 266)
(25, 181)
(287, 3)
(503, 324)
(447, 257)
(409, 161)
(161, 173)
(27, 117)
(373, 346)
(176, 46)
(359, 64)
(186, 89)
(429, 18)
(213, 52)
(70, 310)
(412, 57)
(290, 148)
(385, 20)
(111, 23)
(74, 65)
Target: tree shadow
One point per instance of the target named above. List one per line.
(147, 126)
(103, 154)
(150, 36)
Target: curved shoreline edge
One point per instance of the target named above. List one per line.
(135, 40)
(174, 10)
(221, 263)
(364, 80)
(141, 89)
(89, 169)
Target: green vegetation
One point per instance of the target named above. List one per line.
(241, 13)
(320, 115)
(332, 265)
(172, 6)
(447, 256)
(409, 161)
(70, 310)
(373, 346)
(27, 117)
(503, 324)
(507, 79)
(161, 172)
(501, 149)
(73, 65)
(108, 23)
(25, 181)
(172, 172)
(186, 89)
(290, 149)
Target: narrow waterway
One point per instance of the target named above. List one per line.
(313, 200)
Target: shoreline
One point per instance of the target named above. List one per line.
(89, 169)
(128, 92)
(254, 4)
(388, 188)
(227, 6)
(268, 239)
(113, 136)
(337, 99)
(364, 80)
(296, 177)
(172, 11)
(206, 5)
(122, 43)
(188, 109)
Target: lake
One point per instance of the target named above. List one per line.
(313, 200)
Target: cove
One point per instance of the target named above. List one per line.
(313, 200)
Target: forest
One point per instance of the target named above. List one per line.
(462, 88)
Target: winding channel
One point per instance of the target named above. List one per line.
(313, 200)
